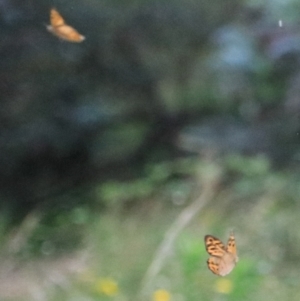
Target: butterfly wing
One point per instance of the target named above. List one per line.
(221, 265)
(55, 18)
(213, 264)
(68, 33)
(231, 246)
(214, 246)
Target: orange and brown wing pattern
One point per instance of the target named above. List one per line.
(213, 264)
(214, 246)
(231, 246)
(55, 18)
(59, 28)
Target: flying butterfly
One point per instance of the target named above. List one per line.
(59, 28)
(223, 258)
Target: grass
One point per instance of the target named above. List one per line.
(118, 247)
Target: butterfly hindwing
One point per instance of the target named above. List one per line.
(213, 264)
(68, 33)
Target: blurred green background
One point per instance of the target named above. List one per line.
(172, 120)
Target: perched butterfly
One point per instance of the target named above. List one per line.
(223, 258)
(59, 28)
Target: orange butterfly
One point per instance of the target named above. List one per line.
(223, 258)
(59, 28)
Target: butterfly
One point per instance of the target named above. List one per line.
(223, 258)
(59, 28)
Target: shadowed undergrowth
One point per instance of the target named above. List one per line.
(155, 250)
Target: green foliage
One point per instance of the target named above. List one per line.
(122, 244)
(160, 178)
(113, 193)
(58, 232)
(249, 167)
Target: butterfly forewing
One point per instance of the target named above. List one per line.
(55, 18)
(231, 247)
(214, 246)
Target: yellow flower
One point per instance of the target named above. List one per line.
(224, 286)
(161, 295)
(106, 286)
